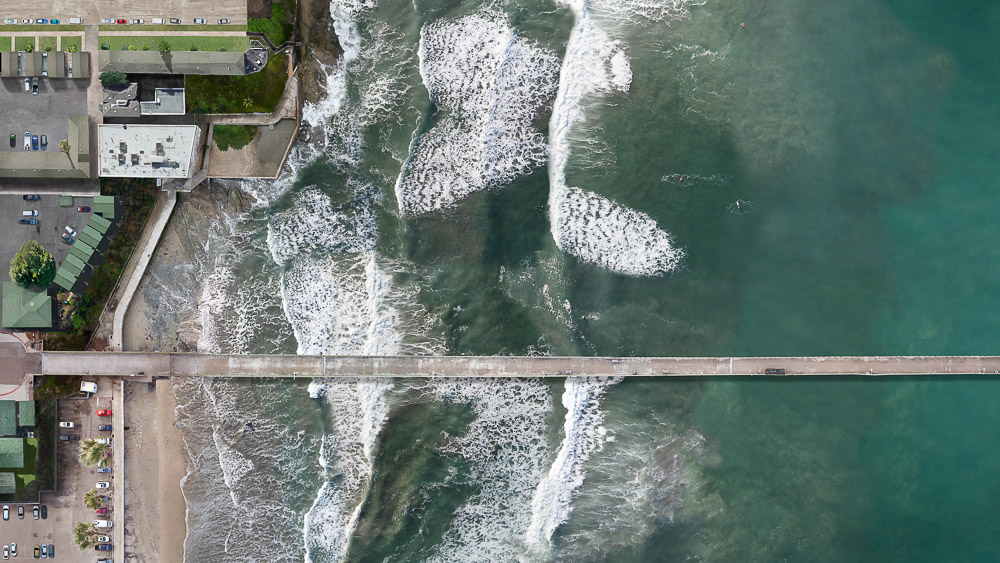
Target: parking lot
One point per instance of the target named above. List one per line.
(74, 479)
(52, 219)
(28, 532)
(45, 113)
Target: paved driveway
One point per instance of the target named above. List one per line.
(52, 220)
(44, 113)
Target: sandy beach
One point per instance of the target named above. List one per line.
(155, 463)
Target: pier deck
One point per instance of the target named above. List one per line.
(186, 364)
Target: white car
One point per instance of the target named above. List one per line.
(10, 21)
(6, 512)
(102, 523)
(72, 233)
(13, 549)
(138, 21)
(225, 21)
(6, 552)
(25, 20)
(103, 539)
(107, 20)
(103, 485)
(66, 424)
(200, 20)
(103, 440)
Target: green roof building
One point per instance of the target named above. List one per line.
(12, 453)
(25, 308)
(25, 413)
(8, 424)
(8, 485)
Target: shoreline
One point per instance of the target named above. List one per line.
(173, 469)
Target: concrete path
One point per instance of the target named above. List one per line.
(181, 364)
(95, 95)
(140, 269)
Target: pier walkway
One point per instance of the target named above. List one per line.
(186, 364)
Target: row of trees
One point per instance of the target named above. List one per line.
(92, 453)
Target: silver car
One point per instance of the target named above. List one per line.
(10, 21)
(200, 20)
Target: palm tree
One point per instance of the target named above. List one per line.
(92, 500)
(92, 453)
(84, 535)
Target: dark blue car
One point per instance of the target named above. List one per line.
(104, 427)
(27, 221)
(102, 547)
(34, 142)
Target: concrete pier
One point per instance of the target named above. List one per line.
(185, 364)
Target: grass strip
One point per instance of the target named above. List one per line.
(47, 43)
(176, 42)
(41, 27)
(69, 40)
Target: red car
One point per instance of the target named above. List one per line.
(103, 412)
(102, 510)
(83, 209)
(121, 20)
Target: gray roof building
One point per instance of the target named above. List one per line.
(147, 151)
(54, 64)
(179, 62)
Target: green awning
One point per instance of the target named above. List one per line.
(66, 201)
(82, 251)
(25, 308)
(81, 264)
(26, 413)
(63, 282)
(70, 271)
(91, 241)
(99, 223)
(8, 484)
(12, 452)
(8, 424)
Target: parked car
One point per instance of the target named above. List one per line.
(26, 221)
(102, 510)
(175, 20)
(52, 550)
(102, 547)
(107, 20)
(20, 512)
(157, 21)
(64, 438)
(45, 515)
(41, 20)
(138, 21)
(104, 470)
(6, 552)
(103, 485)
(34, 86)
(103, 412)
(104, 427)
(10, 21)
(34, 512)
(72, 233)
(13, 549)
(34, 142)
(32, 197)
(103, 539)
(75, 21)
(13, 140)
(6, 512)
(121, 20)
(56, 22)
(37, 552)
(200, 20)
(30, 213)
(66, 425)
(102, 523)
(45, 551)
(68, 239)
(103, 561)
(83, 209)
(27, 134)
(224, 20)
(44, 141)
(103, 440)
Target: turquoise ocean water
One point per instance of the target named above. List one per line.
(506, 178)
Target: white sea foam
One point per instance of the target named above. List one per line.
(358, 409)
(490, 83)
(505, 448)
(314, 223)
(582, 436)
(589, 226)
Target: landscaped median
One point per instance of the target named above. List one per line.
(231, 44)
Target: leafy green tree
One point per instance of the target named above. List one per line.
(92, 453)
(33, 265)
(84, 535)
(233, 136)
(64, 145)
(164, 47)
(113, 78)
(92, 499)
(29, 48)
(72, 48)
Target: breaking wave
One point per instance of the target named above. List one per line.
(491, 84)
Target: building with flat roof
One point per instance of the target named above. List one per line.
(12, 453)
(123, 101)
(147, 151)
(166, 101)
(8, 484)
(175, 62)
(25, 308)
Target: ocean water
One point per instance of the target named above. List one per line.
(647, 177)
